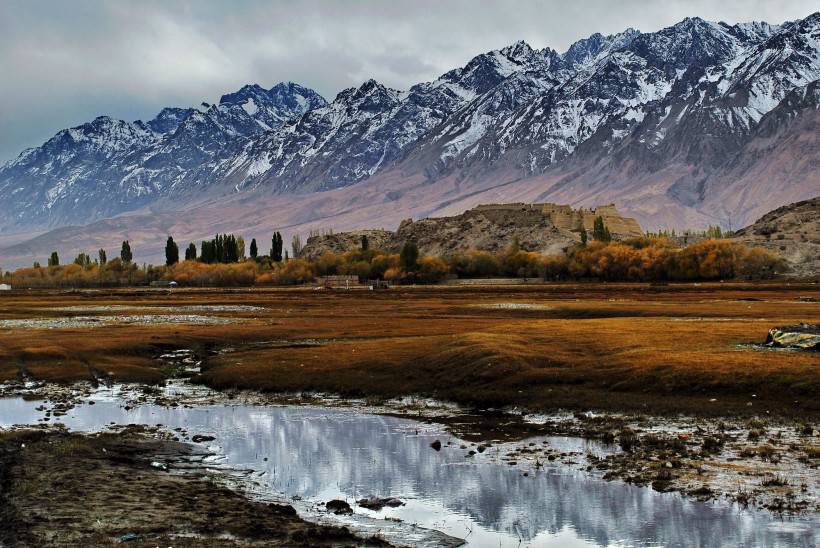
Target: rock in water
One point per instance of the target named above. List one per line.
(377, 503)
(802, 336)
(338, 507)
(201, 438)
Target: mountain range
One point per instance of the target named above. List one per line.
(699, 123)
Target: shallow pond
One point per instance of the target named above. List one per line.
(309, 455)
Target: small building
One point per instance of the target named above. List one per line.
(337, 281)
(5, 287)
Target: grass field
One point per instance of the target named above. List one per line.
(608, 346)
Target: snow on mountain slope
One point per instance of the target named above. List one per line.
(40, 179)
(271, 108)
(367, 128)
(109, 166)
(654, 120)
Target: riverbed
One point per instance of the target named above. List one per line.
(309, 455)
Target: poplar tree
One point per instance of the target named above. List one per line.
(125, 252)
(83, 260)
(599, 230)
(254, 250)
(171, 252)
(276, 247)
(409, 256)
(240, 248)
(296, 245)
(207, 252)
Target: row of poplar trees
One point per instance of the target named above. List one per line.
(223, 248)
(84, 259)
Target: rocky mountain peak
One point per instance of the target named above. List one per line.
(270, 108)
(692, 94)
(104, 135)
(753, 31)
(520, 51)
(370, 96)
(589, 50)
(168, 119)
(296, 96)
(692, 41)
(248, 91)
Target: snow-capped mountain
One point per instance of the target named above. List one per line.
(108, 166)
(653, 121)
(367, 128)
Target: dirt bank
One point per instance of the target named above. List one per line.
(61, 489)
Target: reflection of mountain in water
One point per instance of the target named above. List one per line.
(320, 453)
(366, 455)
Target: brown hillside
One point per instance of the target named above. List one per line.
(791, 231)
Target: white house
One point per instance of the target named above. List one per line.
(5, 287)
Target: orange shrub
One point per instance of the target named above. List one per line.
(431, 269)
(111, 274)
(634, 260)
(292, 272)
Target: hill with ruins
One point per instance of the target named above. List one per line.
(546, 228)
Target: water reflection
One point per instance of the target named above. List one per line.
(321, 454)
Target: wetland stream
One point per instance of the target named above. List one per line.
(308, 455)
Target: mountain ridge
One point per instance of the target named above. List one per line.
(670, 125)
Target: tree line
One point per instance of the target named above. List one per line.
(222, 248)
(222, 261)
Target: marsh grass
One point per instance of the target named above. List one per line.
(73, 446)
(774, 481)
(812, 452)
(608, 346)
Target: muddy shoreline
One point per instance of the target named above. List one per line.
(768, 463)
(139, 487)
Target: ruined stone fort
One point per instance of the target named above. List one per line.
(566, 218)
(546, 228)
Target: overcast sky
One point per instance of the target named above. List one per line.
(63, 63)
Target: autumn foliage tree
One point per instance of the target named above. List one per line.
(635, 260)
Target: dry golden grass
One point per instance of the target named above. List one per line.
(672, 348)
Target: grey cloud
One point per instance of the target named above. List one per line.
(63, 63)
